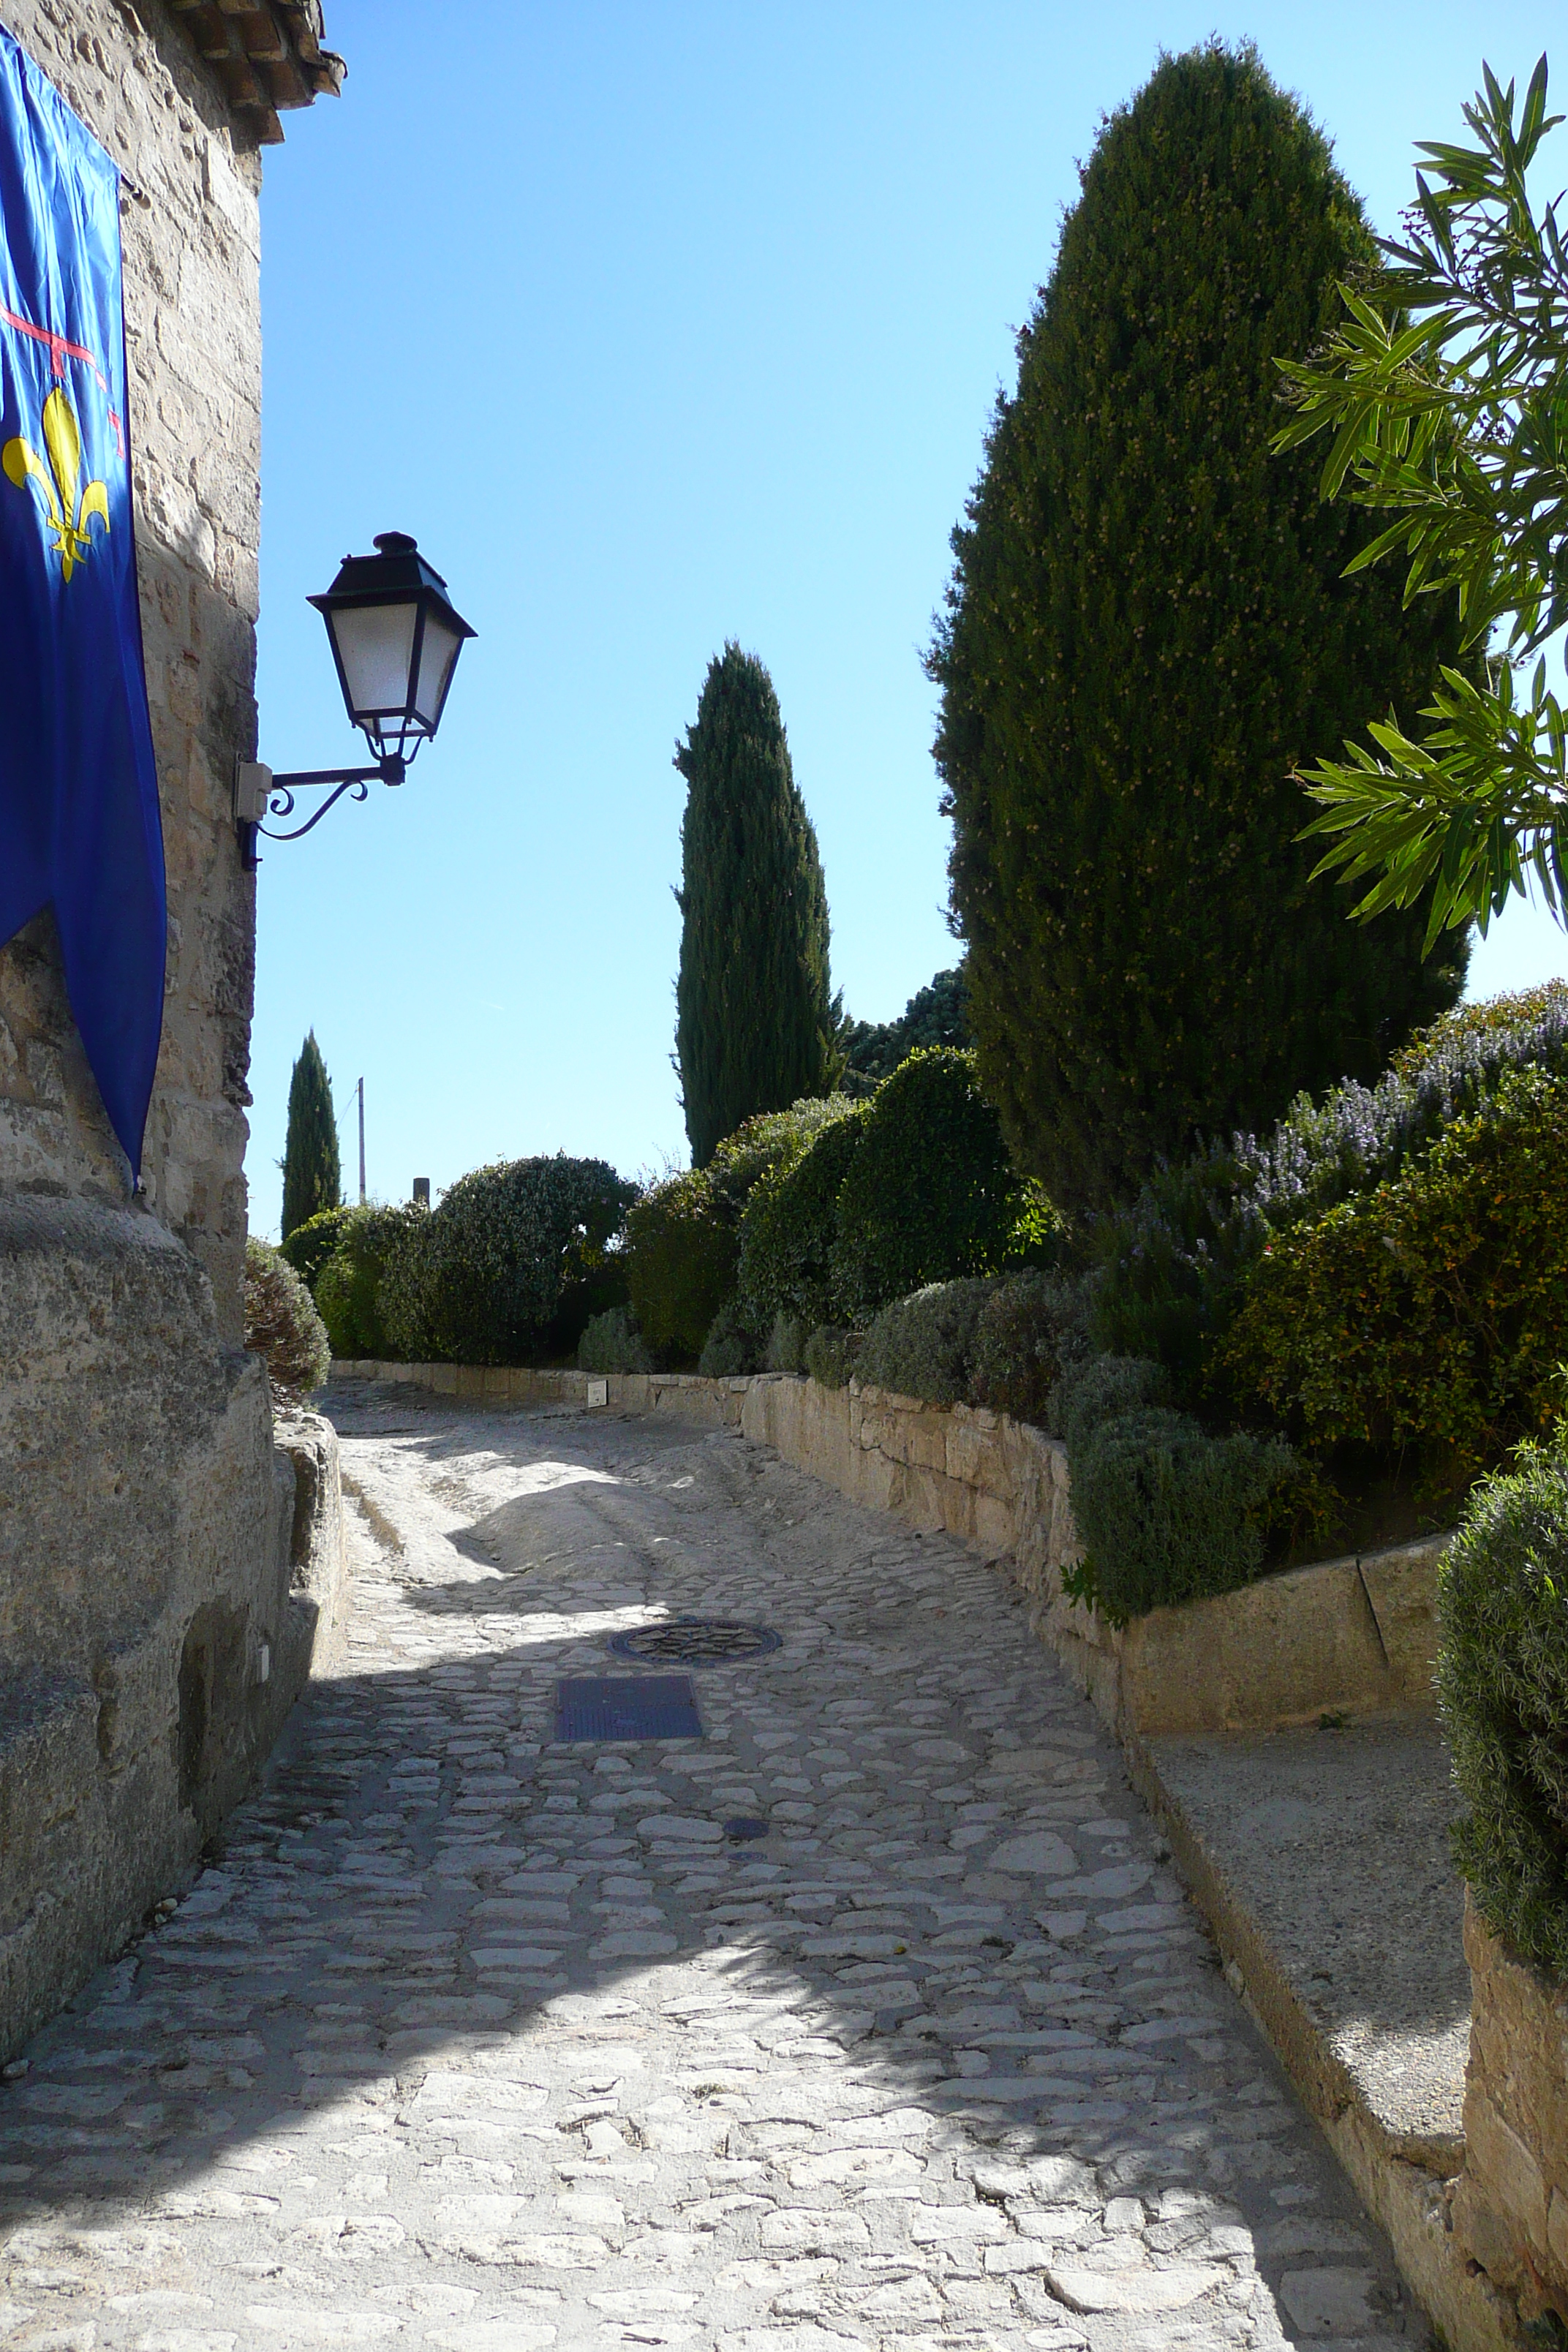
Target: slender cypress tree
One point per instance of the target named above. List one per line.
(311, 1177)
(1149, 628)
(754, 1029)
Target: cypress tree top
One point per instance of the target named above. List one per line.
(311, 1177)
(754, 1025)
(1148, 629)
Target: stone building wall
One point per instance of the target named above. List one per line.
(166, 1565)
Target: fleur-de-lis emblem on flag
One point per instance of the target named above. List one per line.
(66, 515)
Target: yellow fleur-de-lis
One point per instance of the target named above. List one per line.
(67, 518)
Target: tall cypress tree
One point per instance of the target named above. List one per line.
(311, 1177)
(1148, 628)
(754, 1028)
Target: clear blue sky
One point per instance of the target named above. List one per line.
(658, 325)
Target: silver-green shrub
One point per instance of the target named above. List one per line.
(831, 1354)
(1503, 1687)
(730, 1348)
(785, 1350)
(281, 1325)
(611, 1342)
(921, 1345)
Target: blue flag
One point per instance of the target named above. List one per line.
(79, 788)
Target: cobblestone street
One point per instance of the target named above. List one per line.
(469, 2040)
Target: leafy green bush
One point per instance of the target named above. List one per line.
(1165, 1512)
(1428, 1313)
(1030, 1330)
(831, 1354)
(790, 1224)
(309, 1246)
(281, 1325)
(921, 1345)
(681, 1254)
(488, 1274)
(349, 1287)
(1173, 1258)
(1503, 1686)
(611, 1342)
(930, 1194)
(683, 1236)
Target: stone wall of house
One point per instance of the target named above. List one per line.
(170, 1564)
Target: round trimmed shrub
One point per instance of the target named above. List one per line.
(309, 1246)
(930, 1194)
(1029, 1332)
(281, 1325)
(505, 1245)
(790, 1226)
(1502, 1688)
(921, 1345)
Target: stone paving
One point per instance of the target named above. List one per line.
(474, 2041)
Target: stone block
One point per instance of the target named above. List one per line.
(1279, 1652)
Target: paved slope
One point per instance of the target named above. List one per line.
(473, 2042)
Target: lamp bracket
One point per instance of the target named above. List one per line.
(259, 793)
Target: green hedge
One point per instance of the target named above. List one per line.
(1503, 1686)
(930, 1194)
(309, 1246)
(1167, 1513)
(281, 1326)
(683, 1237)
(790, 1226)
(349, 1287)
(1433, 1311)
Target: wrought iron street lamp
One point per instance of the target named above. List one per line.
(395, 638)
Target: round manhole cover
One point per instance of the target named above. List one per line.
(695, 1641)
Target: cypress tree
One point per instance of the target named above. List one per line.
(754, 1028)
(1147, 629)
(311, 1177)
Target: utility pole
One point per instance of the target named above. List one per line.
(360, 1092)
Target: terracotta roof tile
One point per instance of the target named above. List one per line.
(266, 54)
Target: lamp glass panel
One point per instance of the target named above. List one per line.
(436, 656)
(376, 645)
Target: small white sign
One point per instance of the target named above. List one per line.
(598, 1392)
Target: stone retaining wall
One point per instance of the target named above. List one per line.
(1510, 2208)
(1355, 1636)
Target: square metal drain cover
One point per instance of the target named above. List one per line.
(626, 1707)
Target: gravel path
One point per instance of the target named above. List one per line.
(474, 2041)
